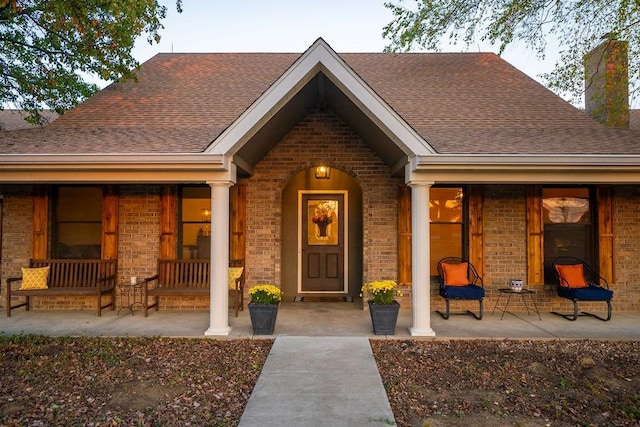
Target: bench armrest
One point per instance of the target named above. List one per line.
(105, 280)
(11, 280)
(147, 280)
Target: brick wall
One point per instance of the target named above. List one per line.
(17, 229)
(138, 231)
(139, 241)
(626, 260)
(320, 138)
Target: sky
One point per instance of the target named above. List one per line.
(292, 26)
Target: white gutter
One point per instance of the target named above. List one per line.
(517, 160)
(535, 168)
(99, 161)
(116, 168)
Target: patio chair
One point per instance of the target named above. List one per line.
(459, 280)
(579, 282)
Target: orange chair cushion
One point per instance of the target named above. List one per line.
(456, 274)
(573, 275)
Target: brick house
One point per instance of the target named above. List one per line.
(413, 156)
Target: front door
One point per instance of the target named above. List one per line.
(322, 225)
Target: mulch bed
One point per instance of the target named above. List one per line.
(63, 381)
(511, 382)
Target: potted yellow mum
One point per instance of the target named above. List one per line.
(383, 306)
(263, 308)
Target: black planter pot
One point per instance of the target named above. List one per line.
(384, 317)
(263, 318)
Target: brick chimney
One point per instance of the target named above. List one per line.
(607, 83)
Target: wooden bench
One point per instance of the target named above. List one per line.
(176, 277)
(70, 277)
(186, 277)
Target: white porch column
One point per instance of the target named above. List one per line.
(219, 262)
(420, 260)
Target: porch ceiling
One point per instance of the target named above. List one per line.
(318, 92)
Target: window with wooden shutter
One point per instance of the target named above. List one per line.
(77, 222)
(195, 222)
(447, 224)
(568, 219)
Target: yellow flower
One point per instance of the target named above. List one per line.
(382, 291)
(265, 294)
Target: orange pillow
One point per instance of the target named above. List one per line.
(573, 275)
(456, 274)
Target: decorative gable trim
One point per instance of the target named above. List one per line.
(319, 58)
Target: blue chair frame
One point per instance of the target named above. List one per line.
(473, 291)
(597, 289)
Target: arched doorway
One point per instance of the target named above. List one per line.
(321, 236)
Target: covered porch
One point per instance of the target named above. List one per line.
(319, 319)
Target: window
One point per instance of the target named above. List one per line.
(195, 222)
(568, 226)
(77, 230)
(447, 223)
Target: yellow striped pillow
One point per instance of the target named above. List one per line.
(34, 278)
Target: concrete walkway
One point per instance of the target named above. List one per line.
(319, 381)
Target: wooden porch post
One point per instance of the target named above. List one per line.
(404, 234)
(420, 254)
(535, 236)
(238, 222)
(219, 262)
(168, 216)
(40, 222)
(605, 233)
(110, 220)
(476, 228)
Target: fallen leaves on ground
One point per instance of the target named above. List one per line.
(93, 381)
(511, 382)
(61, 381)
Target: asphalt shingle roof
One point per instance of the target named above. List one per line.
(14, 119)
(458, 102)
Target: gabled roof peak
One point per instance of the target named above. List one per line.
(320, 58)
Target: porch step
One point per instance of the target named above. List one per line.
(324, 299)
(319, 381)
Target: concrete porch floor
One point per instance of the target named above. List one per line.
(329, 319)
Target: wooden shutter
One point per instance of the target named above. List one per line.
(404, 234)
(110, 216)
(40, 222)
(535, 235)
(238, 218)
(475, 197)
(605, 232)
(168, 217)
